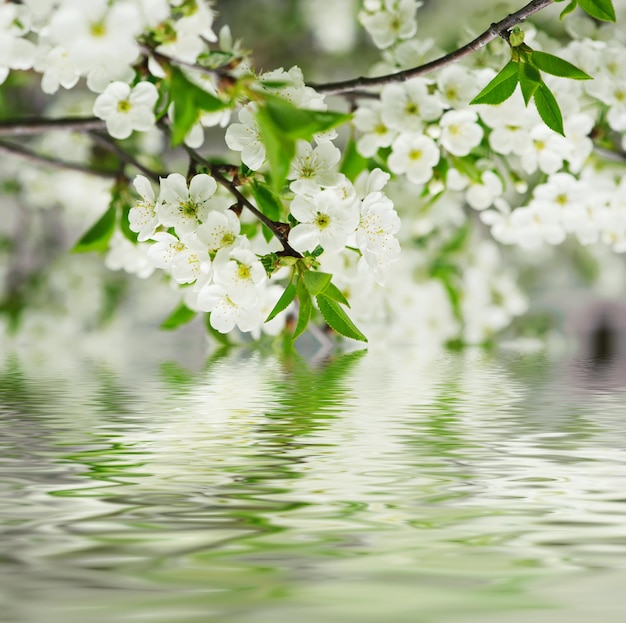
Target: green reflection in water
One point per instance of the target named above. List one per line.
(366, 487)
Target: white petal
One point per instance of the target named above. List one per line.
(202, 187)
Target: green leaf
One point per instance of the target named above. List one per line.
(316, 282)
(457, 241)
(568, 9)
(129, 234)
(98, 235)
(280, 148)
(516, 37)
(189, 101)
(283, 302)
(304, 312)
(501, 86)
(299, 123)
(337, 318)
(600, 9)
(557, 66)
(333, 292)
(268, 203)
(548, 109)
(180, 316)
(529, 80)
(353, 163)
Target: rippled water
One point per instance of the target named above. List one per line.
(366, 487)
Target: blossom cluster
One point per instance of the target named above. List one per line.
(488, 154)
(460, 176)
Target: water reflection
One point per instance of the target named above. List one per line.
(366, 487)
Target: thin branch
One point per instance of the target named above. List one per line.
(115, 149)
(274, 227)
(30, 127)
(17, 150)
(498, 29)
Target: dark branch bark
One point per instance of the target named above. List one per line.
(498, 29)
(110, 145)
(30, 127)
(232, 188)
(17, 150)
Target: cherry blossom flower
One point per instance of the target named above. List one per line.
(414, 155)
(323, 220)
(142, 217)
(245, 137)
(125, 109)
(183, 207)
(96, 35)
(219, 229)
(226, 314)
(15, 51)
(314, 168)
(389, 20)
(239, 272)
(126, 256)
(406, 106)
(374, 133)
(460, 132)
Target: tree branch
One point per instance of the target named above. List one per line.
(275, 228)
(30, 127)
(17, 150)
(498, 29)
(110, 145)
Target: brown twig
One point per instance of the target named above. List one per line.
(30, 127)
(111, 146)
(18, 150)
(275, 228)
(498, 29)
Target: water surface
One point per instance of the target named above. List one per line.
(368, 487)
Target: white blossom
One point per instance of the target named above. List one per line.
(374, 133)
(314, 168)
(15, 51)
(125, 109)
(220, 229)
(406, 106)
(226, 314)
(414, 155)
(142, 217)
(460, 132)
(239, 272)
(185, 207)
(389, 20)
(245, 137)
(126, 256)
(324, 219)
